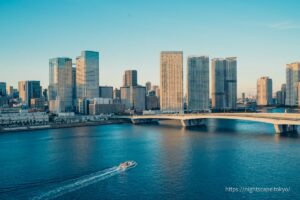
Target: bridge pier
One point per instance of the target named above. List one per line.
(144, 121)
(192, 122)
(285, 128)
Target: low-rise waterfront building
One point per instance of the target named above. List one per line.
(23, 118)
(38, 103)
(105, 106)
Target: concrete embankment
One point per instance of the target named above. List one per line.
(56, 126)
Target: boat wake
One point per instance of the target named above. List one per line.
(78, 183)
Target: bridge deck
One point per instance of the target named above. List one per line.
(273, 118)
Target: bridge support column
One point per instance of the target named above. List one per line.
(192, 122)
(144, 121)
(285, 128)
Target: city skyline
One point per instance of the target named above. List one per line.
(134, 39)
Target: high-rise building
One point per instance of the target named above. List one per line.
(130, 78)
(231, 82)
(29, 90)
(283, 90)
(171, 81)
(279, 98)
(148, 86)
(106, 92)
(243, 97)
(197, 83)
(292, 79)
(83, 105)
(156, 89)
(298, 89)
(224, 83)
(264, 91)
(87, 75)
(45, 94)
(60, 85)
(281, 95)
(152, 101)
(2, 89)
(134, 97)
(74, 83)
(116, 94)
(9, 90)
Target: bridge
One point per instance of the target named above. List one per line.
(283, 122)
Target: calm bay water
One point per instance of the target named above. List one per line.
(173, 162)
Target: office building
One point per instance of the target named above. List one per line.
(152, 101)
(292, 79)
(117, 96)
(224, 83)
(45, 94)
(87, 75)
(264, 91)
(83, 105)
(29, 90)
(156, 89)
(171, 81)
(60, 85)
(197, 83)
(74, 83)
(134, 98)
(2, 89)
(105, 106)
(279, 98)
(15, 93)
(148, 86)
(243, 97)
(9, 90)
(283, 91)
(298, 94)
(106, 92)
(37, 103)
(130, 78)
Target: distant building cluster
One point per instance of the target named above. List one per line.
(210, 86)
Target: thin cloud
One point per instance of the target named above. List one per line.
(284, 25)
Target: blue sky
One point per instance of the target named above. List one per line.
(264, 35)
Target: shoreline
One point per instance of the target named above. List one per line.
(60, 126)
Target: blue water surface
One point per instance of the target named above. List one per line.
(173, 162)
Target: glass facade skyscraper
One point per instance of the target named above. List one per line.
(292, 80)
(87, 75)
(60, 85)
(224, 83)
(198, 83)
(29, 90)
(2, 89)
